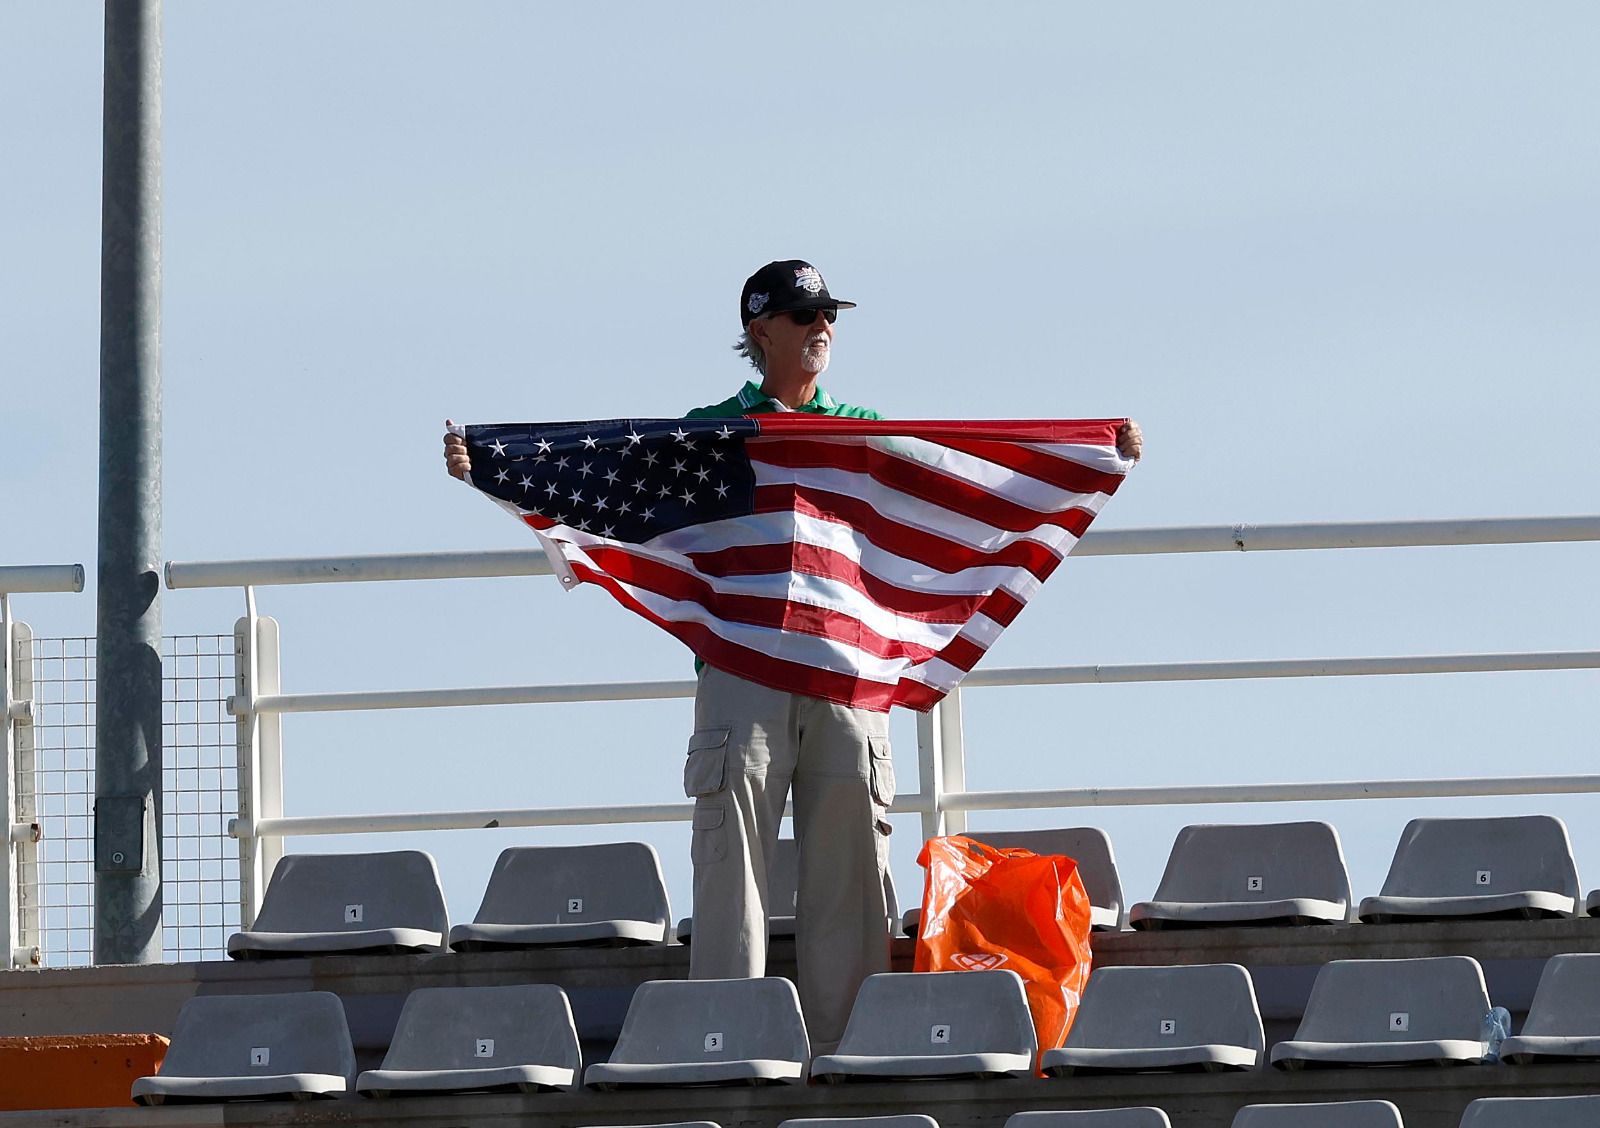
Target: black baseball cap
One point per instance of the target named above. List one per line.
(786, 285)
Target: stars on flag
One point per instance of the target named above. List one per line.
(687, 471)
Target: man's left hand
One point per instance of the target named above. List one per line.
(1130, 440)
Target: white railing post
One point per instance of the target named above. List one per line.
(930, 771)
(269, 747)
(941, 764)
(16, 786)
(259, 741)
(953, 756)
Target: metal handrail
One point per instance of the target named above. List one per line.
(31, 579)
(610, 814)
(1108, 542)
(942, 800)
(472, 696)
(963, 801)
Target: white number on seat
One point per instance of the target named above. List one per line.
(1400, 1021)
(940, 1035)
(1169, 1026)
(353, 914)
(574, 904)
(714, 1042)
(484, 1048)
(260, 1056)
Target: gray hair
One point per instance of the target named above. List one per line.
(749, 348)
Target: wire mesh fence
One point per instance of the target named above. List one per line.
(200, 866)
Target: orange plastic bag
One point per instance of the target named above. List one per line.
(985, 908)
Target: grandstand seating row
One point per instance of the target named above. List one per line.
(1486, 1112)
(904, 1026)
(613, 893)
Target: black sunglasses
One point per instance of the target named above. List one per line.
(809, 316)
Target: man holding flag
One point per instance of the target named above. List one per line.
(878, 590)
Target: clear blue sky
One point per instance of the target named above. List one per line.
(1340, 260)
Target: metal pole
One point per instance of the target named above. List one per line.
(127, 908)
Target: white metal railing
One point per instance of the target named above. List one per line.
(942, 798)
(21, 821)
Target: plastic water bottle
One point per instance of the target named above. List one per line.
(1496, 1028)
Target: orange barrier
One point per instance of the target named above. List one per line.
(77, 1070)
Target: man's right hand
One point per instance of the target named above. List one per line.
(457, 463)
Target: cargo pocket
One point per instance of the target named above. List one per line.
(705, 771)
(705, 778)
(710, 841)
(882, 770)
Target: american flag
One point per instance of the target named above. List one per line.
(867, 562)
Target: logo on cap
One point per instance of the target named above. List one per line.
(757, 303)
(808, 280)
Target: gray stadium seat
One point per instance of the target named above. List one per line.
(1339, 1114)
(674, 1124)
(903, 1120)
(253, 1047)
(1277, 873)
(934, 1024)
(1138, 1019)
(323, 904)
(708, 1032)
(1532, 1112)
(783, 890)
(548, 896)
(1503, 867)
(1089, 846)
(1141, 1117)
(1390, 1012)
(1564, 1020)
(479, 1039)
(1592, 905)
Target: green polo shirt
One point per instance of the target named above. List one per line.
(751, 400)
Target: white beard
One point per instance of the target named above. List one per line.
(815, 360)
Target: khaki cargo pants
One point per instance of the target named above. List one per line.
(750, 746)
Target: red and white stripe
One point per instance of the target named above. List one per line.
(882, 559)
